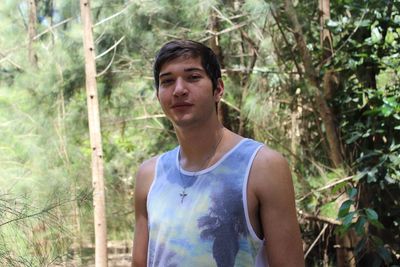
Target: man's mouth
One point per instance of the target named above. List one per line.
(181, 105)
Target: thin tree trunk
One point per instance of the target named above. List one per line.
(32, 33)
(325, 34)
(294, 136)
(323, 108)
(214, 44)
(243, 85)
(95, 138)
(344, 252)
(51, 20)
(214, 41)
(245, 81)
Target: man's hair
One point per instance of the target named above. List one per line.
(187, 48)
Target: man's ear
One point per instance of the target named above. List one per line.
(219, 91)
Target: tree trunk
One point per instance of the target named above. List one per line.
(95, 138)
(310, 72)
(325, 34)
(344, 252)
(32, 33)
(214, 45)
(214, 41)
(329, 85)
(245, 79)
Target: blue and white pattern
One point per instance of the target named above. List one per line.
(210, 227)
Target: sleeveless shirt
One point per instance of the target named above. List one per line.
(209, 225)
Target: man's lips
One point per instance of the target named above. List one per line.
(181, 105)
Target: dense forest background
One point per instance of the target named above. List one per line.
(317, 80)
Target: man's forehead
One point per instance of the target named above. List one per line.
(182, 63)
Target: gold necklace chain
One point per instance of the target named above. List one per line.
(183, 194)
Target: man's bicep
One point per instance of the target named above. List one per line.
(142, 185)
(278, 212)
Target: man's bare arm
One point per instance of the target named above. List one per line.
(144, 179)
(275, 193)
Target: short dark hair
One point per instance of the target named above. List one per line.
(178, 48)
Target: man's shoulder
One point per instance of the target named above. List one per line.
(146, 169)
(148, 166)
(144, 178)
(270, 157)
(270, 171)
(271, 163)
(149, 162)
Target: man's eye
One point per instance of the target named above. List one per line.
(194, 77)
(166, 81)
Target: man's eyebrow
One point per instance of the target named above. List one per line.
(191, 69)
(164, 74)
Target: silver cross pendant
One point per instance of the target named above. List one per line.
(183, 195)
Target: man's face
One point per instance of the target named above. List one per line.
(185, 92)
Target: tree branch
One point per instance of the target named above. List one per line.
(311, 217)
(310, 71)
(299, 70)
(7, 53)
(114, 15)
(348, 178)
(111, 48)
(316, 240)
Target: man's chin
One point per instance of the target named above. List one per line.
(185, 122)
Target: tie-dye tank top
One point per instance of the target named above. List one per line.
(201, 218)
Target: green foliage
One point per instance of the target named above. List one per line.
(44, 143)
(365, 103)
(369, 107)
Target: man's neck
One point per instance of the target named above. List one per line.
(199, 145)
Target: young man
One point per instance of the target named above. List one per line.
(218, 199)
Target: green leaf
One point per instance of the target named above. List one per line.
(372, 217)
(347, 220)
(353, 137)
(373, 111)
(332, 23)
(344, 208)
(371, 214)
(377, 224)
(352, 192)
(393, 146)
(376, 240)
(329, 210)
(389, 36)
(371, 175)
(359, 226)
(338, 187)
(360, 245)
(384, 254)
(364, 23)
(386, 110)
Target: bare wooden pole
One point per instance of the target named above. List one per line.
(95, 138)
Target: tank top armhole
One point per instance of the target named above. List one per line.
(244, 192)
(153, 182)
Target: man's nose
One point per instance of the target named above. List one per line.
(180, 87)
